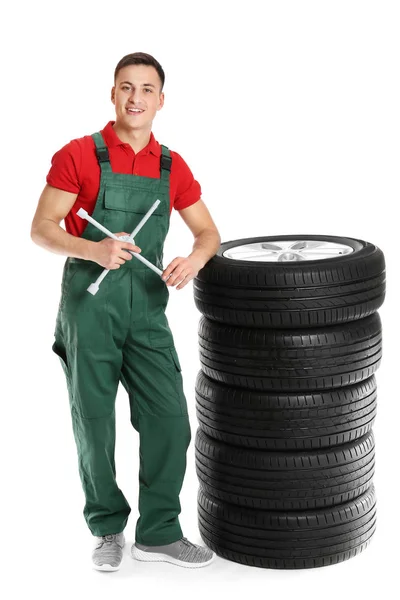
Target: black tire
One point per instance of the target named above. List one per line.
(285, 421)
(284, 480)
(290, 294)
(310, 359)
(287, 540)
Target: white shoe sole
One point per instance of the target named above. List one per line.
(138, 554)
(106, 567)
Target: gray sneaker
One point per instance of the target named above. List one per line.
(107, 553)
(182, 553)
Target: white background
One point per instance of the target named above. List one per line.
(288, 115)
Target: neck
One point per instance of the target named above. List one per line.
(136, 138)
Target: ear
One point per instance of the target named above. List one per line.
(113, 94)
(161, 103)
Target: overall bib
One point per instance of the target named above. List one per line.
(122, 334)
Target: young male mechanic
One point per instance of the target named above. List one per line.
(121, 333)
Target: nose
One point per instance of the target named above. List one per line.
(135, 96)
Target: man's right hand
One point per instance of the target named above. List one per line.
(111, 254)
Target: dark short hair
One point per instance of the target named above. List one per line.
(140, 58)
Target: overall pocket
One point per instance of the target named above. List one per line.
(175, 358)
(126, 199)
(61, 353)
(126, 207)
(59, 349)
(70, 270)
(179, 380)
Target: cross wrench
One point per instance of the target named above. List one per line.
(94, 287)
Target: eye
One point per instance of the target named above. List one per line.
(125, 87)
(148, 90)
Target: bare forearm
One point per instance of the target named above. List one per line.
(206, 245)
(54, 238)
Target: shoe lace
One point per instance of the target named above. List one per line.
(110, 537)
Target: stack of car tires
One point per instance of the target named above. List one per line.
(286, 398)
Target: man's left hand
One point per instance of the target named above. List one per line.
(181, 270)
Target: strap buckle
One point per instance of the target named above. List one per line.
(102, 155)
(166, 162)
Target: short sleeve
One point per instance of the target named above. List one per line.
(188, 190)
(65, 168)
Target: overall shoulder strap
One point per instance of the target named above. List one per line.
(165, 163)
(102, 152)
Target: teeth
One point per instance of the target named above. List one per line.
(134, 110)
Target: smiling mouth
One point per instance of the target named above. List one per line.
(134, 112)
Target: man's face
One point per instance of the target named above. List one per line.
(137, 87)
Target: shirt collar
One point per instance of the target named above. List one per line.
(111, 139)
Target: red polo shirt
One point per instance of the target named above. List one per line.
(75, 169)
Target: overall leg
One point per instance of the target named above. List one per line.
(92, 360)
(153, 380)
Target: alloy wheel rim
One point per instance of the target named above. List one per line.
(287, 251)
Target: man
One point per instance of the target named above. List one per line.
(121, 333)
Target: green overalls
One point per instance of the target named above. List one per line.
(122, 334)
